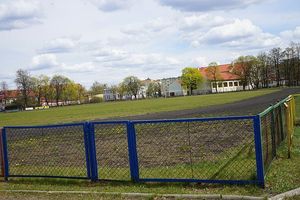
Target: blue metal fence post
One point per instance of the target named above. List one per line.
(92, 152)
(258, 151)
(5, 155)
(87, 150)
(132, 152)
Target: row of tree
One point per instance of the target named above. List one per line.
(58, 90)
(277, 66)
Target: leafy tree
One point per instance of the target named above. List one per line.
(255, 72)
(46, 89)
(69, 91)
(132, 85)
(81, 92)
(121, 89)
(154, 89)
(25, 84)
(58, 83)
(213, 71)
(191, 78)
(97, 88)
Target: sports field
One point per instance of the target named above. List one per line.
(122, 109)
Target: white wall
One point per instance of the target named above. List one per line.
(229, 86)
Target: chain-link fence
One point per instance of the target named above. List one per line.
(216, 149)
(46, 151)
(112, 150)
(213, 150)
(276, 124)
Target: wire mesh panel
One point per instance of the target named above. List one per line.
(47, 151)
(207, 150)
(112, 151)
(274, 131)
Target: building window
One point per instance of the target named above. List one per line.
(220, 84)
(240, 83)
(214, 85)
(235, 83)
(225, 84)
(230, 84)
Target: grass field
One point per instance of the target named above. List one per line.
(121, 109)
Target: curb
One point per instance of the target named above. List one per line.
(146, 195)
(286, 194)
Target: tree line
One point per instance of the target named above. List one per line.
(275, 67)
(61, 90)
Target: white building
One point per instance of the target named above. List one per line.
(171, 87)
(227, 80)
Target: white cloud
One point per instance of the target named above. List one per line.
(59, 45)
(108, 55)
(44, 61)
(202, 21)
(78, 68)
(19, 14)
(115, 58)
(238, 34)
(111, 5)
(198, 62)
(291, 35)
(146, 31)
(207, 5)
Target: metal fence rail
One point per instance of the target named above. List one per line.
(236, 150)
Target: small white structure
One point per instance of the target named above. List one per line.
(171, 87)
(109, 95)
(227, 80)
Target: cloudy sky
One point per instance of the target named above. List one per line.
(107, 40)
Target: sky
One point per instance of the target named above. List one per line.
(107, 40)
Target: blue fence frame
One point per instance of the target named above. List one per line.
(91, 159)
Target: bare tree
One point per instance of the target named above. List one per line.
(276, 56)
(25, 85)
(4, 90)
(242, 67)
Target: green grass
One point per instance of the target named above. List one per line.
(120, 109)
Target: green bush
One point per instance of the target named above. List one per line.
(96, 100)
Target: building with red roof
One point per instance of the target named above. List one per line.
(226, 80)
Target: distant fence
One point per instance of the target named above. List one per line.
(234, 150)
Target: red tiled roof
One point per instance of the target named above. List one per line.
(224, 70)
(13, 94)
